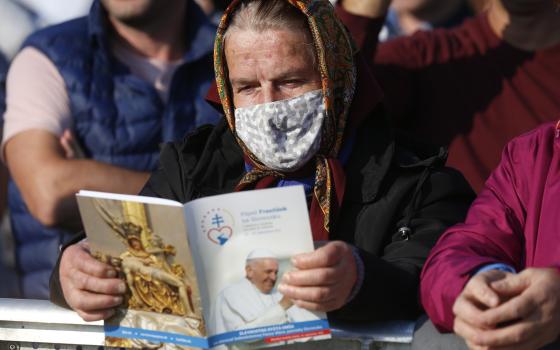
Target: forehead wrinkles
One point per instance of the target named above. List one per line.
(285, 41)
(269, 49)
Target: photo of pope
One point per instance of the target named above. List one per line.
(253, 301)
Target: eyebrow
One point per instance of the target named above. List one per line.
(296, 73)
(242, 81)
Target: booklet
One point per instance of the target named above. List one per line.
(203, 274)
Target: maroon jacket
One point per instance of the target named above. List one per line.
(514, 220)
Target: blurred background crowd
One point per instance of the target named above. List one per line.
(168, 72)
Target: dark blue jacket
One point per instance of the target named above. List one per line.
(118, 117)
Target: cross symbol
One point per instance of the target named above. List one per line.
(217, 220)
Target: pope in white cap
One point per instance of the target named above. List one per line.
(252, 302)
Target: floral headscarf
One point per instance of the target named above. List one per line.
(335, 52)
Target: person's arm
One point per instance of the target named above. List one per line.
(37, 115)
(75, 266)
(395, 63)
(492, 233)
(49, 181)
(364, 20)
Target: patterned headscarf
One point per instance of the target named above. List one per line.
(335, 52)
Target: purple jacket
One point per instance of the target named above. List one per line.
(515, 220)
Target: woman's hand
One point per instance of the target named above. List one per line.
(89, 286)
(324, 278)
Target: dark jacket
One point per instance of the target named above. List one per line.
(118, 118)
(388, 188)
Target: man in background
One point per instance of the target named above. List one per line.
(111, 86)
(473, 87)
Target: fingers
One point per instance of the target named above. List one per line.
(478, 289)
(66, 144)
(471, 305)
(324, 280)
(70, 145)
(465, 330)
(518, 333)
(322, 307)
(96, 315)
(313, 277)
(89, 286)
(86, 282)
(467, 309)
(514, 309)
(328, 255)
(87, 302)
(310, 294)
(85, 263)
(511, 286)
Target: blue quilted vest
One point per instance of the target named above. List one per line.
(118, 118)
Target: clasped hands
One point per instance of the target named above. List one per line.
(500, 310)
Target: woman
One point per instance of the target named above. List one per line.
(301, 108)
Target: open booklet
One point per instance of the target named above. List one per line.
(203, 274)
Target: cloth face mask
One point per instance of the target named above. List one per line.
(283, 135)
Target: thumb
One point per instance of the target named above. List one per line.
(328, 255)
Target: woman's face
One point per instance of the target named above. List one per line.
(270, 66)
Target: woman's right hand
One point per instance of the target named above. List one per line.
(89, 286)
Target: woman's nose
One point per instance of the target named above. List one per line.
(271, 94)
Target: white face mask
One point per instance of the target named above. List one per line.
(283, 135)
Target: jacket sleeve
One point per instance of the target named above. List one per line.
(492, 233)
(394, 63)
(391, 279)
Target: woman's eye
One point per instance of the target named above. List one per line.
(245, 89)
(292, 82)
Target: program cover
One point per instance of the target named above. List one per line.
(242, 245)
(147, 244)
(204, 274)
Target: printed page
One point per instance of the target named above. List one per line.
(242, 245)
(147, 245)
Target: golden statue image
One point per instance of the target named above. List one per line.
(147, 244)
(155, 283)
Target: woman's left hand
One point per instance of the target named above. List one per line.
(324, 278)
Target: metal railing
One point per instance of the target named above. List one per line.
(38, 324)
